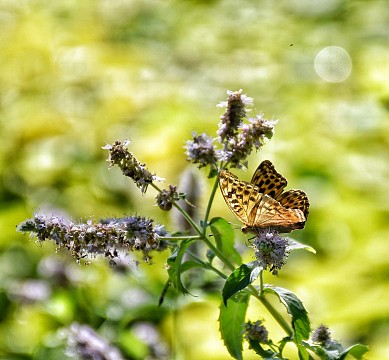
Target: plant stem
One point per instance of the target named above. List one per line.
(218, 253)
(212, 196)
(201, 232)
(182, 237)
(207, 265)
(183, 212)
(276, 315)
(260, 283)
(202, 236)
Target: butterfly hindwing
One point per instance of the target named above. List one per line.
(295, 199)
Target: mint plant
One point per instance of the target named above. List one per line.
(237, 137)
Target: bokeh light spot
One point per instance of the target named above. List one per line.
(333, 64)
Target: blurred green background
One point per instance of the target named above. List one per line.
(77, 75)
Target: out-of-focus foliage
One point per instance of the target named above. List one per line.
(76, 75)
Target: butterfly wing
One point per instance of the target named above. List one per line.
(233, 191)
(257, 210)
(268, 180)
(295, 199)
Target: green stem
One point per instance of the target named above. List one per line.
(202, 236)
(219, 254)
(183, 212)
(207, 265)
(179, 238)
(212, 196)
(276, 315)
(260, 283)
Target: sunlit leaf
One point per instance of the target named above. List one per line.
(295, 245)
(231, 323)
(240, 278)
(335, 350)
(357, 350)
(295, 308)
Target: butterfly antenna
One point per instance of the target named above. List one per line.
(234, 227)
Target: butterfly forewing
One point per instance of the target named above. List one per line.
(261, 203)
(268, 180)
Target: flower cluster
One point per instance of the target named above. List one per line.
(322, 336)
(201, 150)
(166, 198)
(133, 233)
(130, 166)
(84, 343)
(237, 137)
(271, 250)
(236, 110)
(256, 331)
(251, 136)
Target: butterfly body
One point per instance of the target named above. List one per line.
(262, 203)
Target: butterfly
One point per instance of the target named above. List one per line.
(262, 203)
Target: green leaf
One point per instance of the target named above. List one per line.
(240, 278)
(175, 270)
(225, 239)
(357, 350)
(335, 351)
(300, 320)
(265, 354)
(212, 173)
(295, 245)
(231, 321)
(190, 264)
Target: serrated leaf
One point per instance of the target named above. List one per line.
(357, 350)
(225, 239)
(295, 245)
(231, 321)
(323, 353)
(240, 278)
(296, 310)
(336, 351)
(174, 262)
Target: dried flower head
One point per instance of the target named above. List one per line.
(256, 331)
(166, 197)
(271, 250)
(133, 233)
(129, 165)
